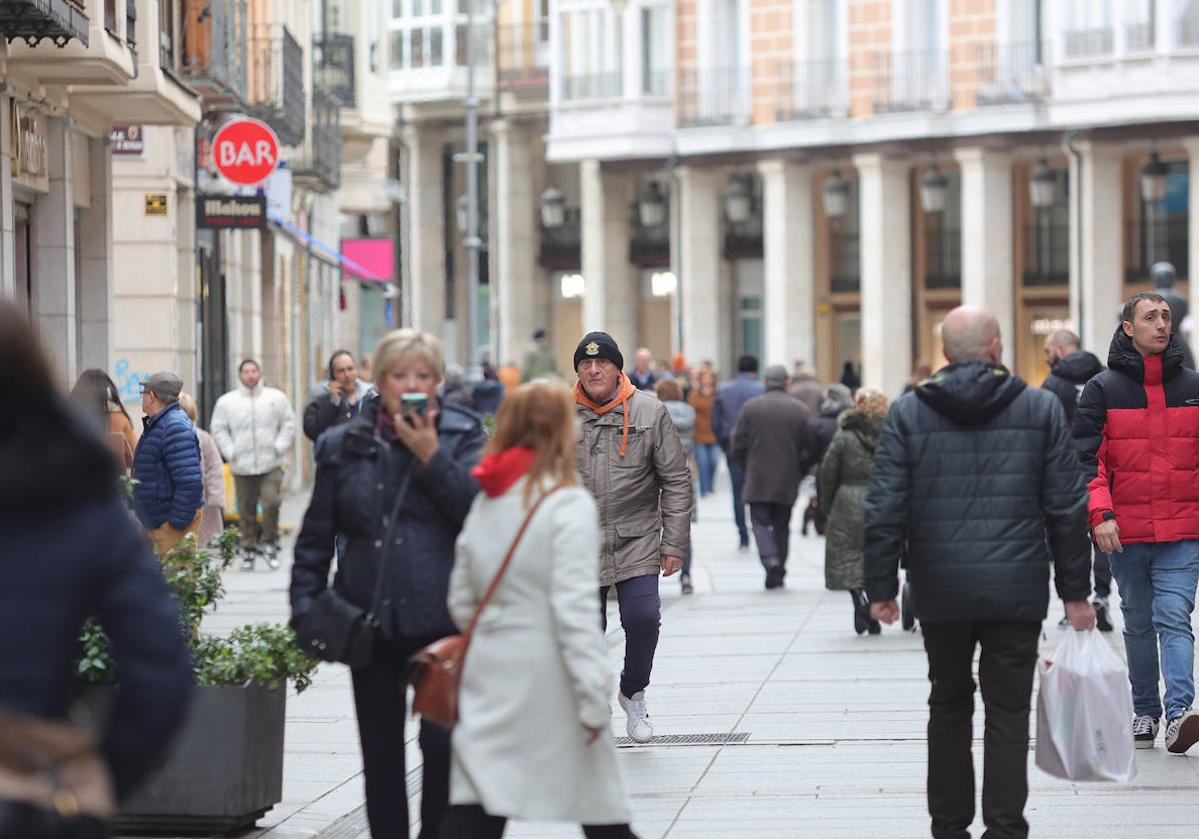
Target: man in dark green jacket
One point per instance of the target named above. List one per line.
(976, 480)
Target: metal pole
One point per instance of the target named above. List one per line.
(472, 157)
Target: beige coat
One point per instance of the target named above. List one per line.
(537, 671)
(644, 497)
(212, 515)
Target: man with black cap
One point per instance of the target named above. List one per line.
(169, 489)
(726, 410)
(631, 459)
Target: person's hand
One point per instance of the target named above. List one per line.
(671, 565)
(1107, 537)
(886, 611)
(419, 433)
(335, 390)
(593, 734)
(1081, 614)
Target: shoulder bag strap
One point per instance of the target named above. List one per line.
(401, 492)
(499, 575)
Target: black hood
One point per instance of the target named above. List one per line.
(970, 393)
(1078, 367)
(1123, 356)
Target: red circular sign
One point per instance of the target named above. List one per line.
(245, 151)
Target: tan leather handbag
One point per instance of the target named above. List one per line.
(435, 672)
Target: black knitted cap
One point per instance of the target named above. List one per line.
(598, 345)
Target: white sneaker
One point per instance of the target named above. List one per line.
(639, 726)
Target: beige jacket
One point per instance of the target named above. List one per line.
(644, 498)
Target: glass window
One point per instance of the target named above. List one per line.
(943, 239)
(1161, 228)
(1047, 239)
(655, 51)
(418, 49)
(418, 8)
(435, 47)
(396, 46)
(1138, 25)
(397, 8)
(752, 342)
(846, 273)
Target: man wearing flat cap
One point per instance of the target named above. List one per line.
(631, 459)
(169, 492)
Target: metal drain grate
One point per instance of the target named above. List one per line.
(689, 740)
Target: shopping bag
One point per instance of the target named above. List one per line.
(1084, 712)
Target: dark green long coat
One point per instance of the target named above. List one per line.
(844, 475)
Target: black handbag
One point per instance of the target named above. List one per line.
(336, 630)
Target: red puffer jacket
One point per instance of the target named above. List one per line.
(1137, 431)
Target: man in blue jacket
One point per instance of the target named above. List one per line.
(726, 410)
(169, 491)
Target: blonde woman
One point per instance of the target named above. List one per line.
(405, 455)
(538, 644)
(844, 475)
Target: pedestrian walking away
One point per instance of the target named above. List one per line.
(97, 395)
(69, 550)
(537, 643)
(976, 482)
(726, 410)
(631, 460)
(773, 443)
(1070, 368)
(404, 455)
(169, 491)
(1136, 427)
(844, 475)
(806, 387)
(338, 400)
(837, 400)
(683, 417)
(254, 428)
(212, 468)
(707, 451)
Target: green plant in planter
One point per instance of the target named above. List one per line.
(262, 653)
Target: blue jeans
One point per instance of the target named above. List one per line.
(1157, 584)
(737, 475)
(706, 457)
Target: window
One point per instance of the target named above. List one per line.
(919, 55)
(656, 49)
(817, 82)
(1138, 25)
(845, 266)
(167, 27)
(1088, 28)
(1047, 238)
(420, 26)
(1161, 228)
(750, 322)
(1188, 23)
(943, 239)
(590, 52)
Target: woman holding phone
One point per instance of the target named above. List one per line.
(395, 481)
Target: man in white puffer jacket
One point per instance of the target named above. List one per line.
(254, 428)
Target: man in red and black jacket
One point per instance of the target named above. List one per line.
(1137, 430)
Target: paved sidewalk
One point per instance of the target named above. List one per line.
(833, 724)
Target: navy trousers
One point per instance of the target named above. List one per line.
(641, 617)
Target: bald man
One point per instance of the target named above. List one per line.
(1070, 368)
(976, 481)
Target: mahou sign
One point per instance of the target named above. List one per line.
(245, 151)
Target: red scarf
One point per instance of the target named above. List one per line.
(496, 473)
(623, 391)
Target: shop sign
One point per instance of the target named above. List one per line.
(156, 204)
(245, 151)
(231, 212)
(127, 140)
(28, 143)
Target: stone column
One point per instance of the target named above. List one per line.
(54, 256)
(8, 267)
(611, 296)
(789, 306)
(424, 286)
(1192, 148)
(886, 253)
(1097, 284)
(699, 256)
(987, 264)
(514, 222)
(96, 263)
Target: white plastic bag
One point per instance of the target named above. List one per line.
(1084, 712)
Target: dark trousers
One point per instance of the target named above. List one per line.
(1005, 671)
(470, 821)
(641, 617)
(772, 532)
(380, 694)
(737, 478)
(1102, 565)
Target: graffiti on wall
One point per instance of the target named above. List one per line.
(128, 382)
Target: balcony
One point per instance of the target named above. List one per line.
(32, 21)
(1088, 43)
(320, 167)
(592, 86)
(1008, 74)
(276, 83)
(708, 97)
(333, 67)
(215, 37)
(522, 57)
(805, 90)
(104, 56)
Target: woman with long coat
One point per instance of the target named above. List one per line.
(844, 476)
(533, 741)
(411, 462)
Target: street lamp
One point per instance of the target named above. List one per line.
(1153, 180)
(553, 208)
(651, 206)
(738, 200)
(1042, 186)
(934, 187)
(836, 195)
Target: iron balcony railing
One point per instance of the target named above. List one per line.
(910, 81)
(811, 89)
(215, 56)
(1012, 73)
(333, 67)
(522, 56)
(34, 20)
(713, 97)
(1089, 43)
(1139, 37)
(322, 158)
(593, 86)
(276, 94)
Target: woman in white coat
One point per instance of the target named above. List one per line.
(533, 740)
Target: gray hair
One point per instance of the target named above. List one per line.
(837, 398)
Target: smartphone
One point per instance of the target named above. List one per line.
(414, 403)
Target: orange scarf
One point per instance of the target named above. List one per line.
(623, 392)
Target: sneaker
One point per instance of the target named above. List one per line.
(1182, 732)
(774, 577)
(1102, 622)
(1144, 731)
(639, 727)
(247, 559)
(271, 554)
(685, 580)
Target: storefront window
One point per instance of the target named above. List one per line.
(1160, 229)
(846, 274)
(750, 323)
(943, 239)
